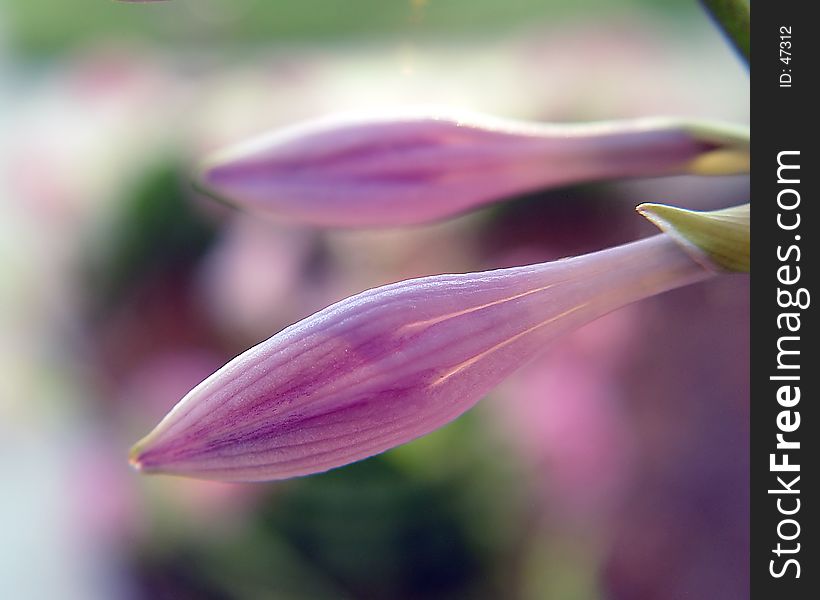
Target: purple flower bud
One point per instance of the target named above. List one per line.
(417, 167)
(393, 363)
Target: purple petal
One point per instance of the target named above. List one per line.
(393, 363)
(417, 167)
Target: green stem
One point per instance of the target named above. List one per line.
(733, 17)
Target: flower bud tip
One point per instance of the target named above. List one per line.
(134, 458)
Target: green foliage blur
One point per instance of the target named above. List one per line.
(48, 27)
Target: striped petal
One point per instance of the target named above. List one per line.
(393, 363)
(414, 167)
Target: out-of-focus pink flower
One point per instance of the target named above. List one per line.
(393, 363)
(563, 413)
(417, 166)
(253, 277)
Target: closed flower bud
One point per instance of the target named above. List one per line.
(414, 167)
(393, 363)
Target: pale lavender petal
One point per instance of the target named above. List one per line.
(414, 166)
(393, 363)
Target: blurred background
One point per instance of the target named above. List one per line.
(615, 466)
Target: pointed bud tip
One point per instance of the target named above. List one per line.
(718, 239)
(135, 457)
(205, 180)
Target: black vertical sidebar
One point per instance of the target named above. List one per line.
(785, 433)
